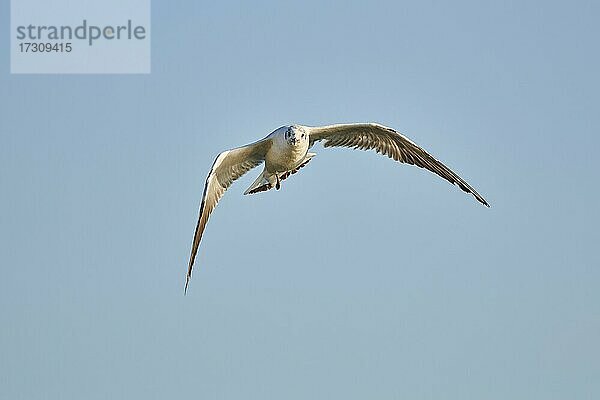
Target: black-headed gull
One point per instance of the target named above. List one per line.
(285, 151)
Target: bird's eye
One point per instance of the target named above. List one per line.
(303, 135)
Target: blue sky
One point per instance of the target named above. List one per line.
(361, 277)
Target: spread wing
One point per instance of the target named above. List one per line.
(228, 166)
(387, 142)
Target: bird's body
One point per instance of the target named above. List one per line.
(285, 154)
(285, 151)
(288, 150)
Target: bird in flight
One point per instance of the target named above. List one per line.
(285, 151)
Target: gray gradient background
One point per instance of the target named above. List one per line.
(360, 278)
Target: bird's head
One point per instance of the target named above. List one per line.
(295, 135)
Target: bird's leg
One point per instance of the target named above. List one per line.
(278, 184)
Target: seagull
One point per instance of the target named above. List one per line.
(285, 151)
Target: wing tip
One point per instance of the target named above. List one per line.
(187, 283)
(189, 272)
(483, 201)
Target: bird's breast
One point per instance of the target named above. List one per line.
(284, 157)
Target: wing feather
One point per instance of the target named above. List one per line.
(227, 167)
(388, 142)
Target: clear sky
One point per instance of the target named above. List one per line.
(361, 278)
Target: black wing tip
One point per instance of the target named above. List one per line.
(189, 274)
(483, 201)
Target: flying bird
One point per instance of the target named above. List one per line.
(285, 151)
